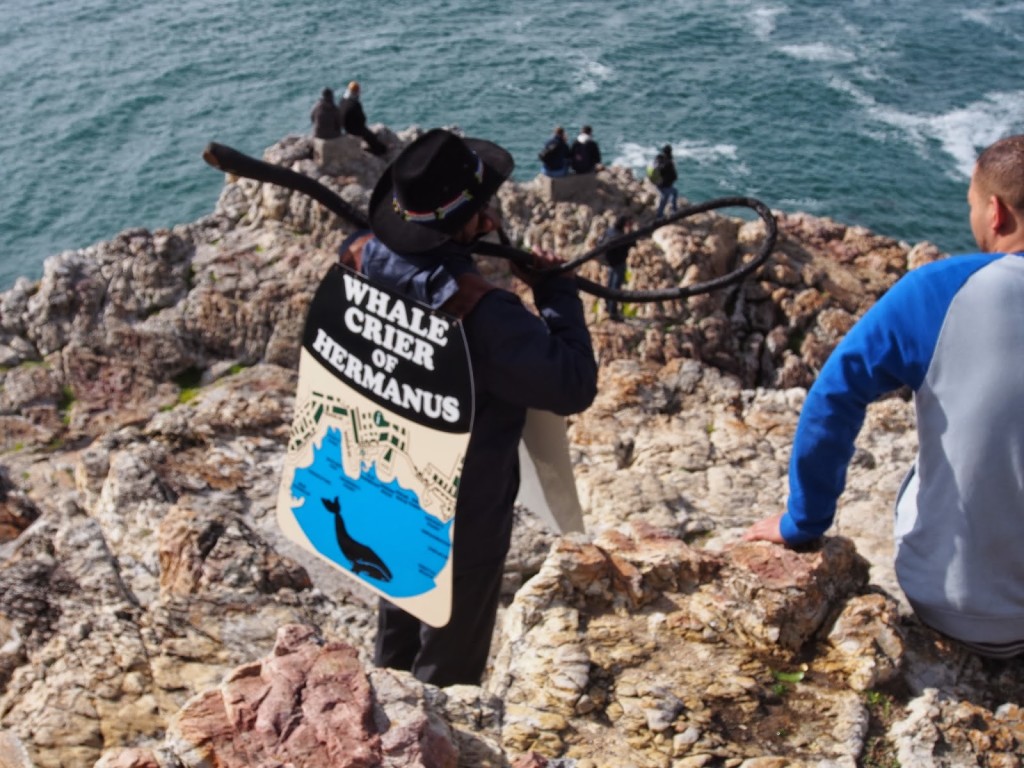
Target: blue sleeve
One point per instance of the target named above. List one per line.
(542, 362)
(891, 346)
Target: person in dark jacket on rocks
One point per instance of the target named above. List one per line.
(616, 259)
(585, 154)
(665, 180)
(353, 119)
(426, 211)
(325, 117)
(554, 157)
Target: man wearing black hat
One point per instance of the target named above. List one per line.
(427, 210)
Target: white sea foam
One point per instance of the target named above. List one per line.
(981, 16)
(859, 95)
(633, 155)
(762, 20)
(639, 156)
(703, 152)
(989, 17)
(961, 131)
(869, 71)
(995, 18)
(819, 52)
(755, 17)
(809, 204)
(591, 74)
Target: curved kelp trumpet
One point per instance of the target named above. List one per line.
(232, 161)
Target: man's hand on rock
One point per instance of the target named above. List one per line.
(765, 530)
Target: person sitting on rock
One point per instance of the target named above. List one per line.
(426, 211)
(554, 157)
(585, 153)
(952, 331)
(325, 117)
(353, 119)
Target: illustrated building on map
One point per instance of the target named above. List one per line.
(375, 439)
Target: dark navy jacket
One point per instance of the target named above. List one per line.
(353, 119)
(519, 361)
(586, 155)
(668, 170)
(326, 120)
(559, 158)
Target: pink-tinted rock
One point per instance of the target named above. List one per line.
(308, 705)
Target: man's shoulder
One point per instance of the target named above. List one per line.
(917, 305)
(952, 270)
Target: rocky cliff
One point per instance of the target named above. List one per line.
(151, 614)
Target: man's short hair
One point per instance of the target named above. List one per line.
(1000, 171)
(587, 130)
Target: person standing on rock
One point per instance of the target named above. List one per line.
(952, 331)
(353, 119)
(663, 174)
(616, 259)
(426, 211)
(325, 117)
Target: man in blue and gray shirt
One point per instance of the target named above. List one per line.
(952, 331)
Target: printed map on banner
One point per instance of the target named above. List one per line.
(383, 410)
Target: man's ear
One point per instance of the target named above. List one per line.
(999, 214)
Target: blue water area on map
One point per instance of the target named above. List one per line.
(388, 541)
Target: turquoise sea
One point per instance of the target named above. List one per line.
(868, 111)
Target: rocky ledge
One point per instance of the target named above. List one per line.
(151, 614)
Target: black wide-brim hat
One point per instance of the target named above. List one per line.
(433, 188)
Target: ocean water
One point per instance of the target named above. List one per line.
(868, 111)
